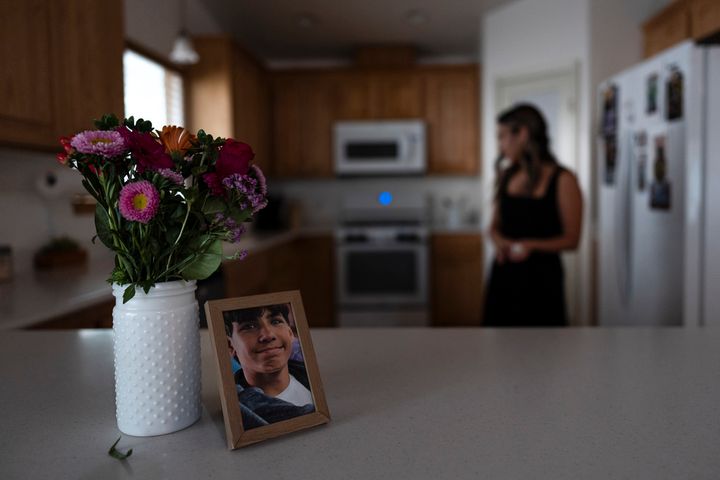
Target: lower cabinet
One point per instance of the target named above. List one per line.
(305, 264)
(457, 280)
(94, 316)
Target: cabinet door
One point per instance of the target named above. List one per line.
(317, 279)
(246, 277)
(27, 111)
(302, 126)
(452, 103)
(251, 101)
(704, 18)
(89, 43)
(667, 28)
(457, 280)
(397, 95)
(352, 97)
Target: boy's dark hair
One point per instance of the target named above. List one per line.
(251, 314)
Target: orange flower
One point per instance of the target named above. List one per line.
(176, 139)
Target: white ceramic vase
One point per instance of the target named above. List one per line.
(157, 359)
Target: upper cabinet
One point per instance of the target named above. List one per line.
(680, 20)
(62, 67)
(705, 18)
(452, 113)
(229, 96)
(364, 94)
(302, 124)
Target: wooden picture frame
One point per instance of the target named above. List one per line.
(230, 393)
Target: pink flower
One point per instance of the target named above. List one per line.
(172, 175)
(234, 157)
(149, 153)
(106, 143)
(139, 201)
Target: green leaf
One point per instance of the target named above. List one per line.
(128, 293)
(113, 452)
(213, 205)
(107, 122)
(102, 226)
(241, 215)
(205, 264)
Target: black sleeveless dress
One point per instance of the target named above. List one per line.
(529, 293)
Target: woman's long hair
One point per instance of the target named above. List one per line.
(537, 151)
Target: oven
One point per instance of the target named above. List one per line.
(382, 276)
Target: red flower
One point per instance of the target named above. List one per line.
(213, 181)
(234, 158)
(149, 153)
(63, 157)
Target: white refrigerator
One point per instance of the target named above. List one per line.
(659, 191)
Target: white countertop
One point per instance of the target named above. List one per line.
(406, 404)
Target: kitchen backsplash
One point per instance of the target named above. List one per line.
(320, 200)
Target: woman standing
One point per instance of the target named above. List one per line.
(537, 215)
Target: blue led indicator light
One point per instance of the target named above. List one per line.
(385, 198)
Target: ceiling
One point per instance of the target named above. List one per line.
(301, 30)
(322, 29)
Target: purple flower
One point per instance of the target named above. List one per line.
(139, 201)
(260, 176)
(250, 188)
(172, 175)
(106, 143)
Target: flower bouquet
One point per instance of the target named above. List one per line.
(166, 199)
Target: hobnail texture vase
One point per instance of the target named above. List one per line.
(157, 359)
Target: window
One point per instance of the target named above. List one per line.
(152, 91)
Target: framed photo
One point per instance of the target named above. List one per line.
(268, 375)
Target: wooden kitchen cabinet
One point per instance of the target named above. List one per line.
(228, 95)
(305, 264)
(457, 279)
(93, 316)
(704, 18)
(62, 68)
(302, 125)
(452, 115)
(361, 94)
(317, 278)
(667, 28)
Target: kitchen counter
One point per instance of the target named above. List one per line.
(35, 296)
(406, 403)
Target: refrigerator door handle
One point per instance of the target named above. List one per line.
(623, 221)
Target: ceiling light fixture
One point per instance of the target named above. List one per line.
(183, 52)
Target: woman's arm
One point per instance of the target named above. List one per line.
(570, 204)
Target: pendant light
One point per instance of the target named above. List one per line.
(183, 52)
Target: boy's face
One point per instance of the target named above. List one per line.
(263, 345)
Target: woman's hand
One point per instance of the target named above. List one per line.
(502, 248)
(519, 251)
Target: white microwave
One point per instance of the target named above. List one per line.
(394, 147)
